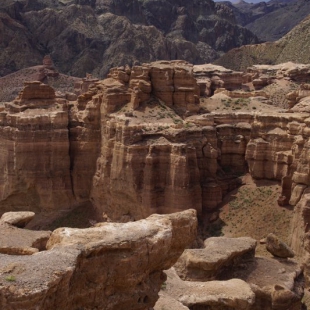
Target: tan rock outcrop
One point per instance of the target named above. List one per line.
(300, 236)
(165, 301)
(213, 295)
(277, 284)
(296, 97)
(211, 77)
(111, 266)
(218, 254)
(295, 71)
(19, 219)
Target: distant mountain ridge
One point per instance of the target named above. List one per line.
(94, 35)
(270, 20)
(294, 47)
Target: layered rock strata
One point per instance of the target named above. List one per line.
(135, 144)
(211, 77)
(35, 162)
(110, 266)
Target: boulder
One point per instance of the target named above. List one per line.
(277, 247)
(213, 295)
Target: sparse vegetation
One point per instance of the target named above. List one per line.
(252, 210)
(10, 278)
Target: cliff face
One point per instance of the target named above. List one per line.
(93, 36)
(135, 144)
(34, 156)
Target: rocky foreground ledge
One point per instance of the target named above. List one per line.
(109, 266)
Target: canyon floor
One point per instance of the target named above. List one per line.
(252, 210)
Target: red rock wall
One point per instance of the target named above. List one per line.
(34, 158)
(56, 155)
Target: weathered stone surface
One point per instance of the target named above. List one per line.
(16, 241)
(36, 90)
(277, 284)
(218, 254)
(299, 235)
(211, 77)
(297, 192)
(277, 247)
(34, 158)
(213, 295)
(165, 301)
(19, 219)
(111, 266)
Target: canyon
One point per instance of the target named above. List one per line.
(135, 143)
(160, 137)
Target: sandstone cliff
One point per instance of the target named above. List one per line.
(134, 144)
(35, 157)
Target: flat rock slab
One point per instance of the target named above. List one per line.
(17, 241)
(213, 295)
(166, 302)
(219, 254)
(277, 283)
(19, 219)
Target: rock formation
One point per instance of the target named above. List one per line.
(277, 247)
(142, 142)
(135, 143)
(17, 241)
(213, 295)
(218, 254)
(110, 266)
(275, 284)
(35, 156)
(18, 219)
